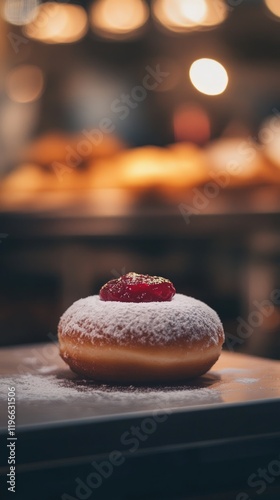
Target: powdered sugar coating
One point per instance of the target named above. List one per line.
(154, 323)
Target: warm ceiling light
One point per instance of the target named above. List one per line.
(118, 19)
(191, 11)
(58, 23)
(182, 15)
(208, 76)
(20, 12)
(25, 83)
(178, 15)
(273, 6)
(216, 13)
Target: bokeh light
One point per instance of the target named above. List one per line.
(58, 23)
(20, 12)
(183, 15)
(273, 6)
(269, 136)
(118, 19)
(191, 124)
(25, 83)
(217, 11)
(178, 15)
(208, 76)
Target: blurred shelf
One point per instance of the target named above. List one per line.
(135, 226)
(121, 213)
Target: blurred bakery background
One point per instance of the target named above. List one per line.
(140, 136)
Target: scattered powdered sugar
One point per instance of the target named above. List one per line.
(247, 380)
(233, 370)
(30, 360)
(36, 387)
(47, 369)
(148, 323)
(51, 388)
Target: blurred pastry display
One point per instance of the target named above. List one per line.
(73, 150)
(58, 170)
(47, 148)
(270, 137)
(239, 162)
(175, 167)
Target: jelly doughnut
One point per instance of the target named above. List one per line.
(139, 330)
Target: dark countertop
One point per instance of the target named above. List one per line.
(60, 395)
(204, 436)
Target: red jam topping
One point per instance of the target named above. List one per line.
(133, 287)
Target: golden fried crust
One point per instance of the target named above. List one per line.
(137, 364)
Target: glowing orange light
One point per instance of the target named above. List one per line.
(58, 23)
(113, 19)
(273, 6)
(25, 83)
(208, 76)
(179, 14)
(191, 124)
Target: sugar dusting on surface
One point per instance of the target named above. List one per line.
(247, 380)
(55, 387)
(231, 371)
(153, 323)
(47, 369)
